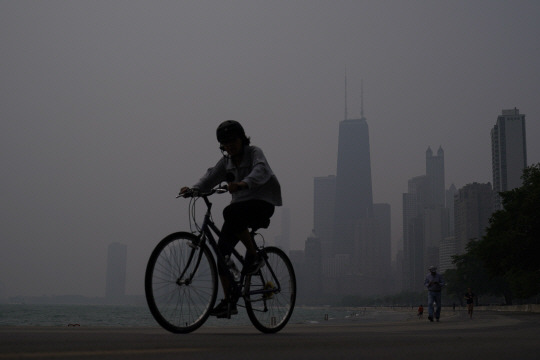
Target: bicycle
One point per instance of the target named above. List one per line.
(181, 279)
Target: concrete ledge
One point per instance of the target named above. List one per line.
(535, 308)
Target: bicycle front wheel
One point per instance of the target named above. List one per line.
(270, 294)
(181, 283)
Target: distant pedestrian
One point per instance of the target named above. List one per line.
(469, 297)
(434, 282)
(420, 311)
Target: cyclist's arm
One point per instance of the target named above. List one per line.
(260, 171)
(213, 177)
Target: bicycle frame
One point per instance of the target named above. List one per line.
(205, 234)
(181, 278)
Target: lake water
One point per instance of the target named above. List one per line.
(139, 316)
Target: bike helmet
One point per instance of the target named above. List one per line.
(230, 130)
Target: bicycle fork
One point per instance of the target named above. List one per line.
(196, 249)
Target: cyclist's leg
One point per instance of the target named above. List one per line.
(241, 215)
(226, 243)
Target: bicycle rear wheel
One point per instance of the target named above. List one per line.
(271, 292)
(180, 283)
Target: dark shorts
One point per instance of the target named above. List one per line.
(240, 216)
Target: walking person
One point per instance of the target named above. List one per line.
(420, 311)
(469, 297)
(434, 283)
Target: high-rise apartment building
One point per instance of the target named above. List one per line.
(115, 288)
(473, 207)
(508, 151)
(447, 250)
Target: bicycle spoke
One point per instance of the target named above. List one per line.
(180, 306)
(269, 307)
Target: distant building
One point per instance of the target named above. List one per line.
(435, 230)
(382, 213)
(313, 266)
(473, 208)
(115, 289)
(508, 151)
(447, 249)
(283, 241)
(414, 203)
(324, 200)
(450, 193)
(426, 221)
(297, 258)
(435, 175)
(372, 257)
(299, 265)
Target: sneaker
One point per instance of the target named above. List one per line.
(430, 318)
(223, 310)
(252, 265)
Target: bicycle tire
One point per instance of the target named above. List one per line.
(270, 311)
(180, 307)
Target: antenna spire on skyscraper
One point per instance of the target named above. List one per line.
(362, 99)
(346, 114)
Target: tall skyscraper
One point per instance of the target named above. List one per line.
(435, 174)
(115, 288)
(450, 194)
(354, 199)
(425, 221)
(414, 203)
(508, 151)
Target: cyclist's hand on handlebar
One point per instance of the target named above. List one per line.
(186, 192)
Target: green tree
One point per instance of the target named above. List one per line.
(511, 247)
(471, 272)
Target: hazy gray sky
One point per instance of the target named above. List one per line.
(108, 107)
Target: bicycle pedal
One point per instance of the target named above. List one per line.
(269, 286)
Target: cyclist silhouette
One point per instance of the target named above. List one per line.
(255, 193)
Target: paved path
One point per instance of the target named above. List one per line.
(489, 336)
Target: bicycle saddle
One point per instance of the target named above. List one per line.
(260, 225)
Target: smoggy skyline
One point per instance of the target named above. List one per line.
(108, 108)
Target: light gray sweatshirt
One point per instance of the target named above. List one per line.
(253, 170)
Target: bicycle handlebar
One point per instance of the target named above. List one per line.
(195, 193)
